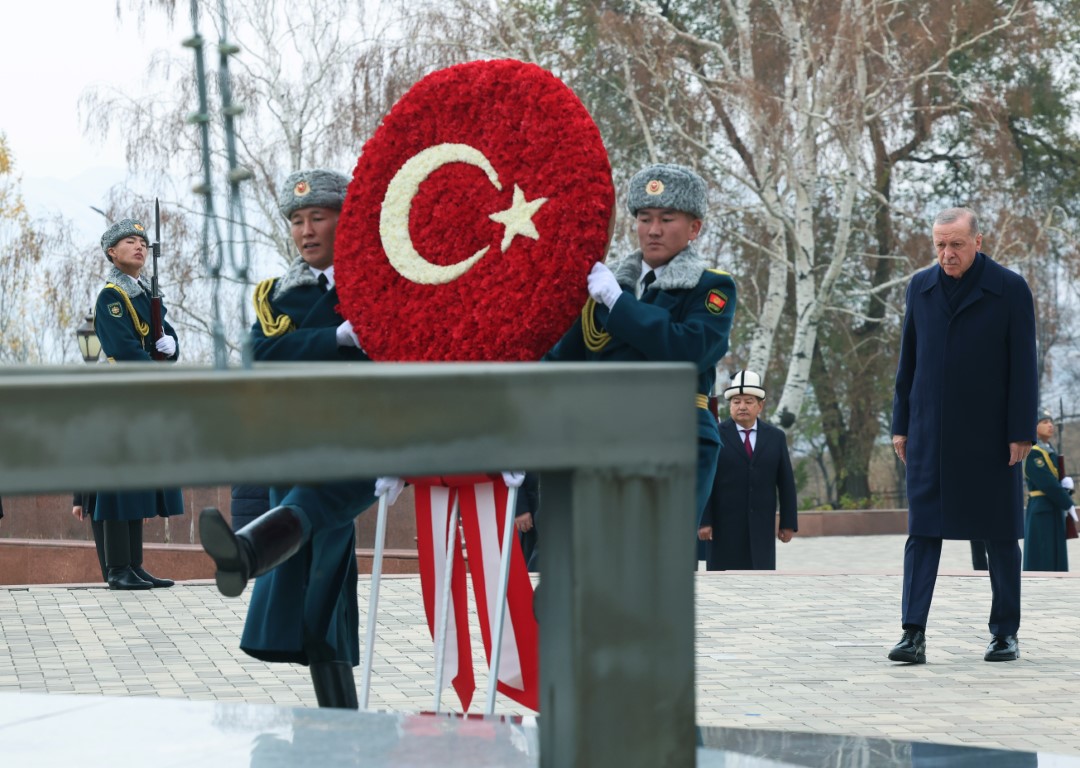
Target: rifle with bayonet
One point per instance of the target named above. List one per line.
(1070, 524)
(157, 329)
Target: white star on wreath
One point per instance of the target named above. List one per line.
(518, 218)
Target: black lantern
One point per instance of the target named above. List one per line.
(89, 345)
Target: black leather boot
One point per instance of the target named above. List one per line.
(122, 577)
(135, 539)
(334, 684)
(258, 547)
(99, 544)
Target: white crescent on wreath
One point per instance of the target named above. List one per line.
(397, 204)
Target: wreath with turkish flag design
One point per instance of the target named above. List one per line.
(475, 213)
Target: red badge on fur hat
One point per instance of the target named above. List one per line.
(474, 215)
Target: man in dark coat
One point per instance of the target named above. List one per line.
(964, 414)
(753, 470)
(525, 519)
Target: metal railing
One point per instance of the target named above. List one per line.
(615, 605)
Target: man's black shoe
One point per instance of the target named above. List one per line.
(124, 578)
(911, 648)
(1002, 648)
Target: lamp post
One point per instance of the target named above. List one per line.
(89, 345)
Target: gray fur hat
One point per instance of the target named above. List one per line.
(310, 188)
(120, 230)
(667, 186)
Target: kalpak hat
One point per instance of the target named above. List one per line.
(745, 383)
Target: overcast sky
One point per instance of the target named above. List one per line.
(52, 51)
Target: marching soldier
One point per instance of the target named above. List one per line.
(1049, 500)
(661, 303)
(296, 313)
(122, 320)
(303, 606)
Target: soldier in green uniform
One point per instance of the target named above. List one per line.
(122, 323)
(1049, 501)
(662, 303)
(302, 553)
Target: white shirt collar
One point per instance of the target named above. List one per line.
(329, 272)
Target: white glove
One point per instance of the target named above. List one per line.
(603, 286)
(1067, 483)
(346, 337)
(513, 479)
(1071, 512)
(389, 485)
(166, 345)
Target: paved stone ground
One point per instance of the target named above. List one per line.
(800, 649)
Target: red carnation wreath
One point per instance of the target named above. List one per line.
(474, 215)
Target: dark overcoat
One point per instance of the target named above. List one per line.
(310, 334)
(966, 387)
(528, 501)
(121, 321)
(1044, 522)
(305, 610)
(685, 316)
(745, 495)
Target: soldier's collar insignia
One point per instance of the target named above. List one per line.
(715, 301)
(654, 187)
(116, 310)
(302, 188)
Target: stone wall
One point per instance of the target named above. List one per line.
(41, 543)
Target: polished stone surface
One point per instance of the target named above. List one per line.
(93, 731)
(100, 731)
(727, 747)
(796, 652)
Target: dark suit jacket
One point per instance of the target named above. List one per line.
(742, 508)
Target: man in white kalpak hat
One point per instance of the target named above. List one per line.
(753, 471)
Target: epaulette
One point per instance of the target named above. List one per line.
(272, 325)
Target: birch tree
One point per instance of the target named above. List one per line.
(830, 132)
